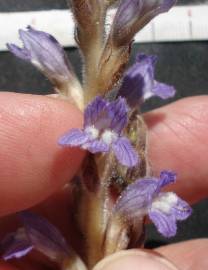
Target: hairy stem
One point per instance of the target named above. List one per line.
(95, 206)
(109, 71)
(91, 72)
(71, 91)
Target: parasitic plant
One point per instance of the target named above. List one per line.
(114, 190)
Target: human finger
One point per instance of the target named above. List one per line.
(134, 260)
(178, 141)
(32, 165)
(189, 255)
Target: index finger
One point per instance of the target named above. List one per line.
(32, 165)
(178, 141)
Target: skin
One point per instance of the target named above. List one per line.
(33, 168)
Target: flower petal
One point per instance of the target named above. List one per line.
(75, 137)
(22, 53)
(163, 90)
(103, 115)
(165, 210)
(135, 200)
(45, 237)
(117, 112)
(15, 245)
(96, 146)
(165, 223)
(182, 210)
(125, 152)
(139, 83)
(132, 87)
(166, 177)
(94, 111)
(138, 80)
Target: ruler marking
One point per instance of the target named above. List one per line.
(189, 12)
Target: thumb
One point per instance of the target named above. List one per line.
(134, 260)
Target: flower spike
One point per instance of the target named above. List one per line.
(103, 125)
(139, 83)
(144, 197)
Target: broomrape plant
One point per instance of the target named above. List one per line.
(114, 190)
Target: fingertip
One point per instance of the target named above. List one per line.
(32, 164)
(191, 254)
(134, 260)
(177, 141)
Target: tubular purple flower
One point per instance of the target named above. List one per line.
(44, 52)
(103, 125)
(139, 82)
(144, 197)
(133, 15)
(37, 234)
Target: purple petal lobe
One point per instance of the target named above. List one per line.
(19, 52)
(138, 80)
(165, 224)
(94, 111)
(44, 51)
(15, 245)
(181, 210)
(163, 90)
(117, 112)
(137, 198)
(166, 177)
(127, 11)
(75, 137)
(45, 237)
(125, 153)
(139, 83)
(165, 210)
(96, 146)
(132, 87)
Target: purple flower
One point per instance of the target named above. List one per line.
(133, 15)
(144, 196)
(43, 51)
(139, 83)
(38, 234)
(103, 125)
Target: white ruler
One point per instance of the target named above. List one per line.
(183, 23)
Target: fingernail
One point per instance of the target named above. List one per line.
(134, 260)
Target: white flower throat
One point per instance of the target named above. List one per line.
(164, 202)
(107, 136)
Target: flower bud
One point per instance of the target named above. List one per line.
(44, 52)
(133, 15)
